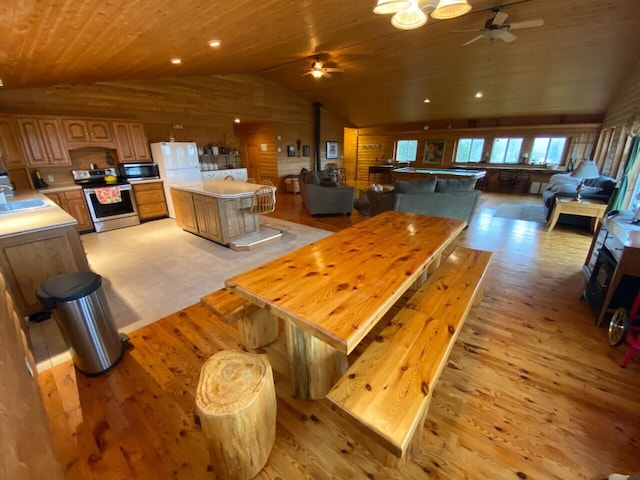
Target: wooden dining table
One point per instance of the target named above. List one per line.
(332, 292)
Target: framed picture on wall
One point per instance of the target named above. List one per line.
(433, 151)
(332, 150)
(306, 151)
(291, 151)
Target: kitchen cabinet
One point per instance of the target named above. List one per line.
(185, 210)
(131, 142)
(87, 132)
(74, 203)
(10, 153)
(42, 142)
(150, 200)
(28, 259)
(207, 217)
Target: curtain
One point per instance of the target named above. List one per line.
(617, 199)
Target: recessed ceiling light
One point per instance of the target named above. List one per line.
(479, 94)
(176, 61)
(236, 120)
(214, 43)
(426, 100)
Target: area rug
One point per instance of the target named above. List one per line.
(529, 212)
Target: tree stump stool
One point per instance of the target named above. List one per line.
(236, 402)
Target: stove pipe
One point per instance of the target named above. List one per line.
(316, 127)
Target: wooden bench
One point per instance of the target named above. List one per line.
(257, 327)
(387, 391)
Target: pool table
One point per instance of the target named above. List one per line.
(411, 173)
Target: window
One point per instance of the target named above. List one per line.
(469, 150)
(506, 150)
(547, 150)
(406, 150)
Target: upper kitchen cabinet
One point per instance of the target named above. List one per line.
(42, 142)
(10, 153)
(131, 142)
(87, 132)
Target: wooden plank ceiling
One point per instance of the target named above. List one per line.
(570, 66)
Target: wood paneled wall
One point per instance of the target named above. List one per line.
(373, 146)
(615, 142)
(205, 107)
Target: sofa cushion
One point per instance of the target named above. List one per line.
(428, 185)
(455, 184)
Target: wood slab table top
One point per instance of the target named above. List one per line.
(337, 288)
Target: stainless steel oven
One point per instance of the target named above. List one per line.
(109, 198)
(111, 210)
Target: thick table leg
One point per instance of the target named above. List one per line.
(315, 366)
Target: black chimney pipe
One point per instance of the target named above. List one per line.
(316, 125)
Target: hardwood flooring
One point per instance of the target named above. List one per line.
(532, 390)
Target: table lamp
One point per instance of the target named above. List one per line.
(586, 170)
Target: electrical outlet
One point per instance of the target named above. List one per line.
(178, 126)
(50, 178)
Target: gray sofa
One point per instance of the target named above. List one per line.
(322, 195)
(564, 185)
(449, 198)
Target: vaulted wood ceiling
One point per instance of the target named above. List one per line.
(570, 66)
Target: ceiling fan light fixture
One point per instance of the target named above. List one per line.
(427, 6)
(410, 18)
(317, 73)
(448, 9)
(385, 7)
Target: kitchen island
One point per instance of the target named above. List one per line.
(36, 243)
(216, 210)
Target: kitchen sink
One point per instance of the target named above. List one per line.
(20, 205)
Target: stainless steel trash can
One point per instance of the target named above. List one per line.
(84, 318)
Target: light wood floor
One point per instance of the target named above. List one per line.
(532, 389)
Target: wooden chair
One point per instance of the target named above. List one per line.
(521, 182)
(263, 201)
(505, 181)
(251, 180)
(266, 182)
(230, 178)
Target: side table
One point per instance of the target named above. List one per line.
(585, 208)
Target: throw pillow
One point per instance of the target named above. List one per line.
(312, 178)
(455, 184)
(327, 182)
(428, 185)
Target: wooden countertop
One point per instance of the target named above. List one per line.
(34, 220)
(220, 188)
(621, 227)
(60, 188)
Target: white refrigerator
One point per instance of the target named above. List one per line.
(177, 162)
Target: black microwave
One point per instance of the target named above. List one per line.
(139, 171)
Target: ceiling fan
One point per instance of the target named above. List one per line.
(497, 28)
(318, 70)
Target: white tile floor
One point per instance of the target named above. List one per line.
(154, 269)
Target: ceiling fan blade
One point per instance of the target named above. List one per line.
(470, 30)
(308, 73)
(334, 69)
(538, 22)
(499, 19)
(506, 36)
(473, 40)
(326, 74)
